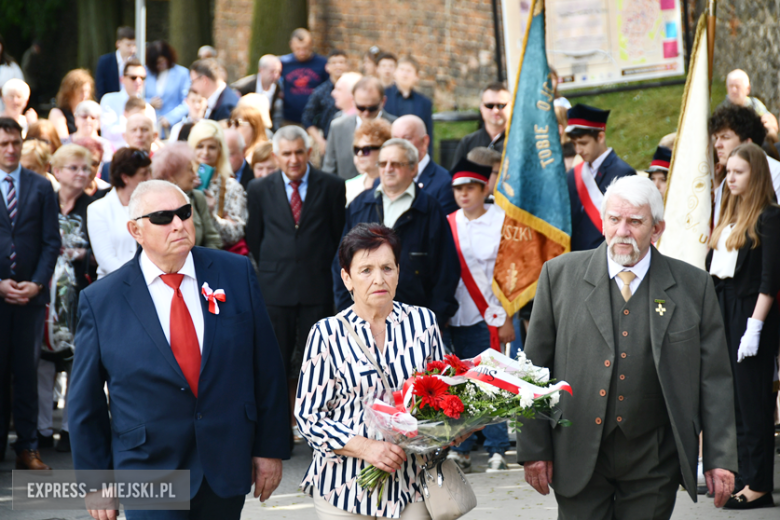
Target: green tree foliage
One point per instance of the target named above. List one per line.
(272, 23)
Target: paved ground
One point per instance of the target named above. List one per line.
(502, 495)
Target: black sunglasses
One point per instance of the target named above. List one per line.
(372, 108)
(134, 77)
(365, 150)
(163, 218)
(491, 106)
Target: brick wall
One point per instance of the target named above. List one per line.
(452, 39)
(232, 33)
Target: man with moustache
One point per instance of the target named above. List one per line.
(639, 337)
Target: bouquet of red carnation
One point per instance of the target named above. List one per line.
(455, 396)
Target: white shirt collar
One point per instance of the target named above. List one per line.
(408, 191)
(212, 100)
(640, 269)
(304, 179)
(595, 165)
(421, 166)
(151, 272)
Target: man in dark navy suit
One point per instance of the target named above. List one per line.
(431, 178)
(111, 66)
(207, 81)
(182, 338)
(589, 180)
(29, 246)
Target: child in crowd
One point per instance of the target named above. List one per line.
(480, 322)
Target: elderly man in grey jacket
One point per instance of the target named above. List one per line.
(640, 338)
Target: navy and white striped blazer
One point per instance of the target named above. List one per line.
(335, 378)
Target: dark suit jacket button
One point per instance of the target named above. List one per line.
(607, 363)
(619, 419)
(200, 416)
(602, 392)
(598, 420)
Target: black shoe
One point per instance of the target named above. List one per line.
(741, 502)
(63, 445)
(701, 490)
(44, 441)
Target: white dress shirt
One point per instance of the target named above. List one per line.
(211, 102)
(162, 295)
(593, 168)
(120, 65)
(303, 187)
(640, 270)
(111, 242)
(724, 262)
(268, 93)
(483, 236)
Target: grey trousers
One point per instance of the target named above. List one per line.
(634, 479)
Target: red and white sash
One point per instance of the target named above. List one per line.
(590, 195)
(478, 285)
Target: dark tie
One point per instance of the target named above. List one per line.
(296, 204)
(184, 339)
(12, 210)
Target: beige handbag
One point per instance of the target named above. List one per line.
(446, 492)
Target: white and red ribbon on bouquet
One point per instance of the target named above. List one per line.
(212, 297)
(490, 367)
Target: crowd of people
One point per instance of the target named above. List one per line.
(320, 182)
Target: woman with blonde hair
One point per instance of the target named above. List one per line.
(76, 86)
(745, 265)
(263, 163)
(225, 195)
(36, 157)
(249, 122)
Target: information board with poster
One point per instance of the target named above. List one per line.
(599, 42)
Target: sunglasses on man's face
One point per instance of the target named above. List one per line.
(372, 108)
(163, 218)
(135, 78)
(491, 106)
(365, 150)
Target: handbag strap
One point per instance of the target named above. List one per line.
(366, 351)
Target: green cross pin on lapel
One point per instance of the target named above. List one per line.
(660, 309)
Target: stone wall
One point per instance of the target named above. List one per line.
(748, 37)
(452, 39)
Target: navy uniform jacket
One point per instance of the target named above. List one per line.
(416, 104)
(430, 270)
(226, 102)
(36, 235)
(154, 420)
(584, 234)
(107, 75)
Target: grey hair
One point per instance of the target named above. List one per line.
(16, 86)
(136, 206)
(235, 133)
(412, 155)
(87, 107)
(638, 191)
(291, 133)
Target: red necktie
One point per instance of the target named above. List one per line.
(296, 204)
(184, 339)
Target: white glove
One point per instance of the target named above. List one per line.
(748, 345)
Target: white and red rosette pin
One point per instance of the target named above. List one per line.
(212, 297)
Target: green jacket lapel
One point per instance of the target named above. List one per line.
(662, 307)
(598, 300)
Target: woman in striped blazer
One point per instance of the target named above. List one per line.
(336, 376)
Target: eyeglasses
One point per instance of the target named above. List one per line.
(235, 123)
(372, 108)
(74, 169)
(491, 106)
(392, 164)
(163, 218)
(135, 78)
(365, 150)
